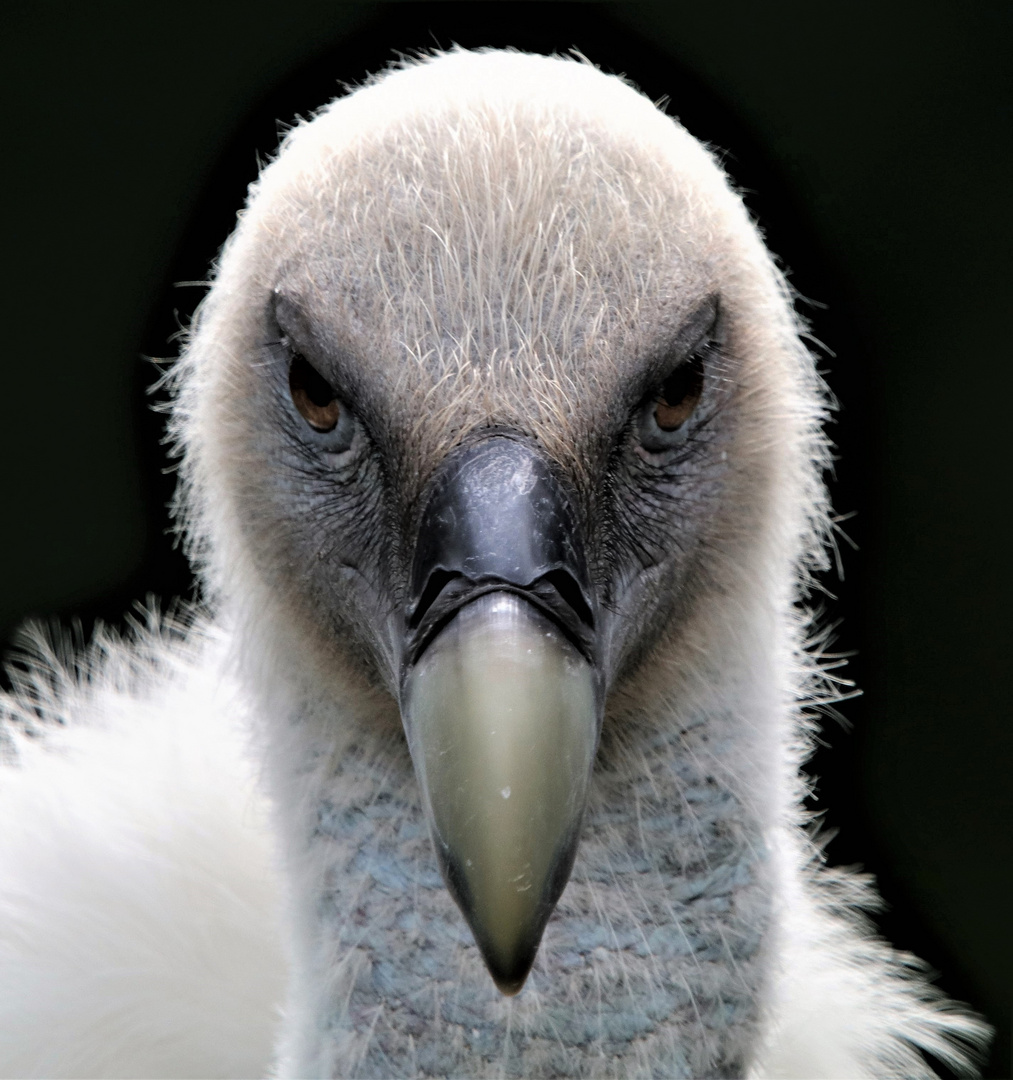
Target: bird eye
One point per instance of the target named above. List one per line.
(313, 397)
(679, 396)
(666, 412)
(319, 405)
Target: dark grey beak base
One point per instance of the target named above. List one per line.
(501, 694)
(497, 518)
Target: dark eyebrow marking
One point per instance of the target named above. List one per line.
(700, 325)
(334, 364)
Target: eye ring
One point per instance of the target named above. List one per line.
(666, 413)
(317, 402)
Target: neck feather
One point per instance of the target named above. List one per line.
(656, 954)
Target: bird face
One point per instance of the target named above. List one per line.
(488, 362)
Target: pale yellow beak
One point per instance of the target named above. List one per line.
(502, 722)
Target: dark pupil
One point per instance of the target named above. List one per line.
(679, 395)
(306, 378)
(682, 383)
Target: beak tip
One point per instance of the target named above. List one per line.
(508, 934)
(507, 940)
(510, 987)
(510, 971)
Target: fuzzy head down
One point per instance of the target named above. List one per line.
(495, 241)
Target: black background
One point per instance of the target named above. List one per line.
(874, 143)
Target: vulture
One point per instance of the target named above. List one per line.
(502, 471)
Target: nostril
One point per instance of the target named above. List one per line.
(570, 592)
(435, 584)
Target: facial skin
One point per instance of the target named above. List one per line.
(641, 513)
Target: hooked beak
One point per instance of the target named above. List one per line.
(501, 695)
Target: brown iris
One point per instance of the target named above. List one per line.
(313, 396)
(679, 395)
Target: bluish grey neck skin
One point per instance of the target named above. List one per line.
(652, 964)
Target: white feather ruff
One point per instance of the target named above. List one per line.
(139, 907)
